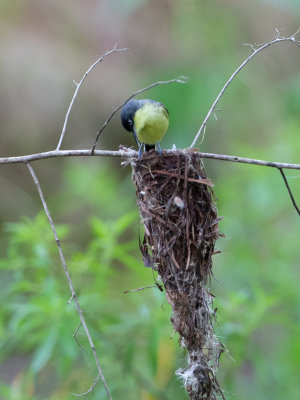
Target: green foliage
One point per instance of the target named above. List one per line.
(93, 203)
(258, 298)
(258, 308)
(36, 319)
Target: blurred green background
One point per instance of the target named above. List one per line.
(44, 46)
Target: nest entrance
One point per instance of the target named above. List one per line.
(180, 219)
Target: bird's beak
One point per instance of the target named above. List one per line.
(135, 137)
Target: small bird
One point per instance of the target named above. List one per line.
(148, 120)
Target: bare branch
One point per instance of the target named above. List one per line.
(138, 289)
(126, 153)
(75, 337)
(252, 161)
(114, 50)
(129, 153)
(90, 389)
(71, 298)
(254, 50)
(64, 264)
(289, 190)
(180, 79)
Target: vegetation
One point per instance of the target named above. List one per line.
(93, 202)
(257, 306)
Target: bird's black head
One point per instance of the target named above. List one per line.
(127, 114)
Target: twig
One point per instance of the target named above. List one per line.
(126, 153)
(254, 50)
(114, 50)
(180, 79)
(64, 264)
(71, 298)
(75, 337)
(289, 190)
(244, 160)
(129, 153)
(90, 389)
(138, 289)
(207, 182)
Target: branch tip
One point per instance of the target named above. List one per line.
(255, 48)
(108, 52)
(180, 79)
(289, 190)
(64, 264)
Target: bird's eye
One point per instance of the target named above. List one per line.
(130, 122)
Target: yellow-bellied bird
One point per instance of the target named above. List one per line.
(148, 120)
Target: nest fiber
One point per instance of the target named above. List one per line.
(180, 221)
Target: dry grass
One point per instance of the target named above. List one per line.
(180, 219)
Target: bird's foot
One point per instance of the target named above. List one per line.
(159, 150)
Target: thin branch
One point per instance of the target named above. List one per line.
(126, 153)
(244, 160)
(138, 289)
(254, 50)
(90, 389)
(71, 298)
(64, 264)
(75, 337)
(129, 153)
(180, 79)
(114, 50)
(289, 190)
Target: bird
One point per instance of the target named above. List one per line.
(148, 120)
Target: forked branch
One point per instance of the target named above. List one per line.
(255, 49)
(108, 52)
(71, 286)
(180, 79)
(129, 153)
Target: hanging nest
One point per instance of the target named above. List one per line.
(178, 211)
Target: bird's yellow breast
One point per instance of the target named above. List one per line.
(151, 123)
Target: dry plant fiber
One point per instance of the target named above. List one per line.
(177, 208)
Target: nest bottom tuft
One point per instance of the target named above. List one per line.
(177, 208)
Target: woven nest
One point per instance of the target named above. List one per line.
(180, 221)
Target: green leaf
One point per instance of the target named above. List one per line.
(44, 352)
